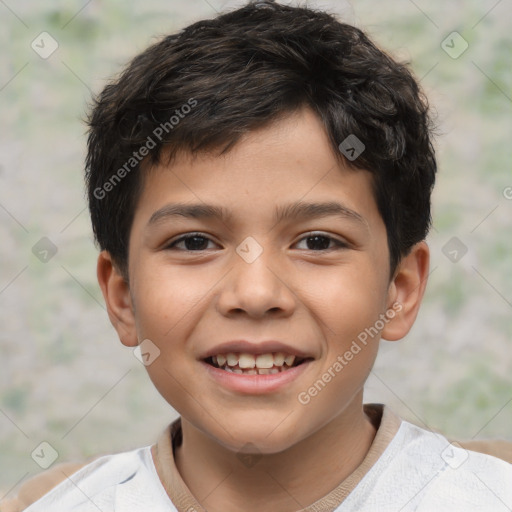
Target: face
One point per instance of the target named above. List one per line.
(252, 308)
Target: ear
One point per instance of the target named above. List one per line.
(116, 293)
(406, 292)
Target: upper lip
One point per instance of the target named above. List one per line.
(254, 347)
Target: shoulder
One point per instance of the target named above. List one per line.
(454, 477)
(421, 471)
(112, 482)
(37, 486)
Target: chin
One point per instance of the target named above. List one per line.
(264, 435)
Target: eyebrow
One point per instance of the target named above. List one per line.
(298, 210)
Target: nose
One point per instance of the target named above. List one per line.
(257, 289)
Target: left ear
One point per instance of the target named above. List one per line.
(406, 291)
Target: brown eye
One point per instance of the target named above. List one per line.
(191, 242)
(319, 242)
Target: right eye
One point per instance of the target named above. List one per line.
(191, 242)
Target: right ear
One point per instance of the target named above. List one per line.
(116, 292)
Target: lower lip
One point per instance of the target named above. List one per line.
(255, 384)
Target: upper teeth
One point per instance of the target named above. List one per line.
(245, 360)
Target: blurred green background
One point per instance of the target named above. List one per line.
(66, 379)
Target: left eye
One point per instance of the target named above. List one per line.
(319, 242)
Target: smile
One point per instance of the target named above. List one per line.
(255, 364)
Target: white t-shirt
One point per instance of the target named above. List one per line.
(124, 482)
(421, 471)
(418, 471)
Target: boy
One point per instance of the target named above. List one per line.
(259, 186)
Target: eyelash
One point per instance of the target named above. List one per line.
(338, 243)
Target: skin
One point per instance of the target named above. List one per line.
(317, 300)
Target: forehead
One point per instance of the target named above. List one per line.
(265, 174)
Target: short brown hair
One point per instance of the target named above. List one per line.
(203, 88)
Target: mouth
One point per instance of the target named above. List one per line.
(271, 363)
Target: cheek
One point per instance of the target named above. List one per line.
(348, 303)
(349, 306)
(167, 295)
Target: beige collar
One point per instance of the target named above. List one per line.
(383, 419)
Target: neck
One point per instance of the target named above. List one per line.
(290, 480)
